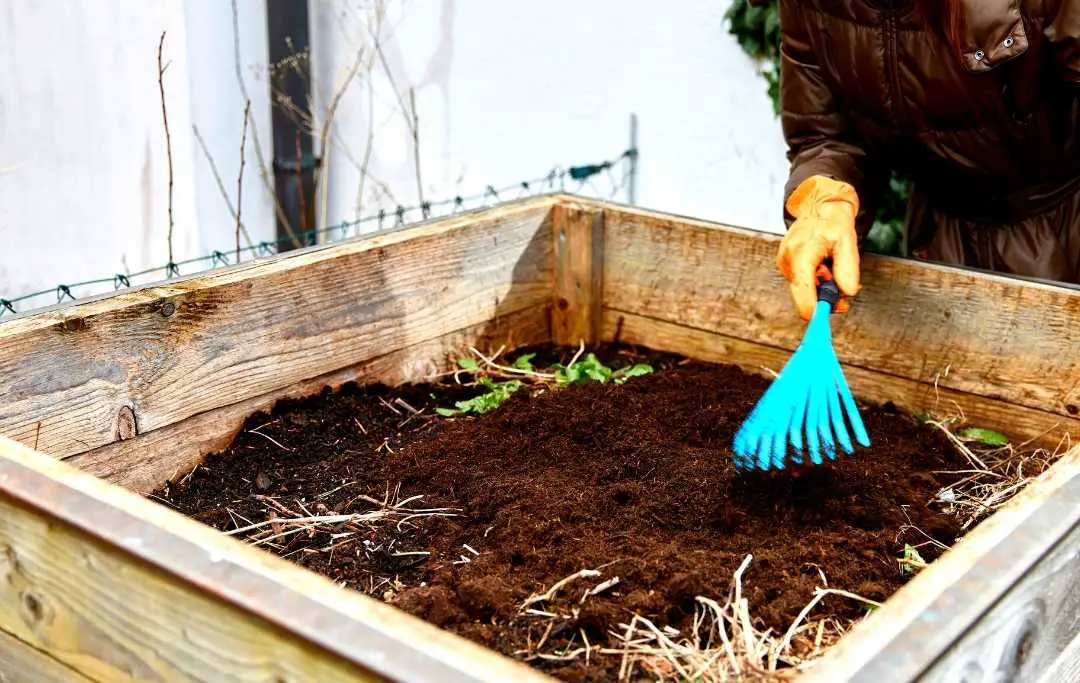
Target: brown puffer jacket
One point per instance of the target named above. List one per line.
(987, 122)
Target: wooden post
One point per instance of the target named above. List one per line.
(578, 235)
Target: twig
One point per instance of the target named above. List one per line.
(168, 139)
(270, 439)
(240, 178)
(550, 593)
(220, 183)
(264, 173)
(415, 128)
(324, 137)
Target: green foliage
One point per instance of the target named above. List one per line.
(579, 371)
(757, 29)
(987, 437)
(496, 394)
(912, 560)
(592, 369)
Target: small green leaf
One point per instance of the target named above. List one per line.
(447, 412)
(468, 364)
(525, 362)
(985, 436)
(922, 417)
(636, 370)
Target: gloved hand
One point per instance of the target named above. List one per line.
(824, 211)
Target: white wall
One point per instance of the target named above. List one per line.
(508, 88)
(84, 193)
(505, 90)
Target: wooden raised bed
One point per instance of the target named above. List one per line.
(104, 400)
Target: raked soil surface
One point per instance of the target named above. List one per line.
(635, 480)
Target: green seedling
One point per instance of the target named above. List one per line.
(986, 437)
(592, 369)
(524, 363)
(496, 394)
(578, 371)
(912, 560)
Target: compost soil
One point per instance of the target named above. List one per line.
(634, 480)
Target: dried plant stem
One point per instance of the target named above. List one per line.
(414, 128)
(240, 178)
(168, 140)
(220, 182)
(264, 172)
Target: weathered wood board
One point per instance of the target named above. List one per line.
(145, 462)
(973, 334)
(100, 584)
(578, 239)
(82, 377)
(21, 663)
(124, 589)
(1001, 605)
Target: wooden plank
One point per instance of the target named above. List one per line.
(1027, 634)
(1000, 605)
(1044, 429)
(578, 237)
(124, 589)
(983, 334)
(21, 663)
(149, 460)
(1067, 667)
(82, 376)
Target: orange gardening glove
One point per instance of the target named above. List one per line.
(824, 210)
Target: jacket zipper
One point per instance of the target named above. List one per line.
(892, 67)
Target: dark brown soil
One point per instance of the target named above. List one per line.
(634, 479)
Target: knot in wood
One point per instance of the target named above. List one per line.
(126, 426)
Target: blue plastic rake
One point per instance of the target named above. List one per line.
(804, 399)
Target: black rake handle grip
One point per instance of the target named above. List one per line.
(827, 289)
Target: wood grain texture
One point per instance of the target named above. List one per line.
(21, 663)
(1026, 634)
(77, 378)
(1067, 667)
(982, 334)
(1042, 428)
(976, 601)
(147, 461)
(123, 589)
(578, 238)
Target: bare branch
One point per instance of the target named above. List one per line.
(321, 185)
(168, 138)
(264, 172)
(415, 127)
(240, 178)
(220, 183)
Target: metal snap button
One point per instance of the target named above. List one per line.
(979, 55)
(1008, 42)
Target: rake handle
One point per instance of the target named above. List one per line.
(827, 290)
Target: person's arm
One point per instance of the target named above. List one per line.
(1062, 31)
(831, 175)
(818, 134)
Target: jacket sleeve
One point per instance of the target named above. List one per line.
(1062, 31)
(819, 136)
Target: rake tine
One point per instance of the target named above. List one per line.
(813, 437)
(852, 411)
(795, 430)
(837, 414)
(820, 397)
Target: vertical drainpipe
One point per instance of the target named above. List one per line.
(294, 160)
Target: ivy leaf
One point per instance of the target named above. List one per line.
(984, 436)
